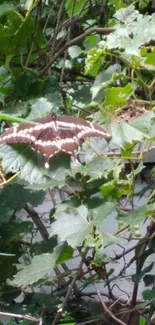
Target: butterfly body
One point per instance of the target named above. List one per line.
(53, 134)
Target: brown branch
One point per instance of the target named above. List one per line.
(42, 229)
(56, 31)
(37, 221)
(107, 310)
(61, 309)
(27, 317)
(139, 263)
(98, 30)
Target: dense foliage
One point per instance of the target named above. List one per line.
(94, 59)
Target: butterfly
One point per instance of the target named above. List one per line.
(52, 134)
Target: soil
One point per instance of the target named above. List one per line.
(131, 111)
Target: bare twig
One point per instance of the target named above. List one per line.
(56, 31)
(139, 263)
(75, 40)
(27, 317)
(107, 311)
(60, 310)
(37, 221)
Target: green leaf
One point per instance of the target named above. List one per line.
(101, 240)
(149, 56)
(132, 30)
(75, 7)
(91, 41)
(117, 4)
(71, 225)
(138, 276)
(148, 279)
(116, 96)
(109, 190)
(144, 122)
(94, 61)
(104, 79)
(101, 212)
(135, 217)
(30, 165)
(14, 196)
(142, 320)
(5, 7)
(148, 294)
(124, 132)
(28, 85)
(40, 108)
(66, 253)
(15, 31)
(40, 267)
(74, 51)
(95, 165)
(15, 231)
(43, 246)
(100, 257)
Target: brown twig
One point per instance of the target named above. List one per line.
(37, 221)
(139, 263)
(75, 40)
(56, 31)
(61, 309)
(107, 310)
(26, 317)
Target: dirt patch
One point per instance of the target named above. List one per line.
(130, 112)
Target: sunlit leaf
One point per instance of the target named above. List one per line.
(39, 267)
(135, 217)
(116, 96)
(104, 79)
(124, 132)
(74, 51)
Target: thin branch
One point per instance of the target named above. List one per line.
(56, 31)
(42, 229)
(37, 221)
(61, 309)
(27, 317)
(65, 58)
(139, 263)
(98, 30)
(108, 311)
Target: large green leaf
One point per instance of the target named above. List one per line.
(72, 223)
(101, 212)
(41, 266)
(124, 132)
(149, 294)
(6, 7)
(130, 22)
(138, 276)
(116, 96)
(144, 122)
(40, 108)
(15, 31)
(94, 60)
(14, 196)
(135, 217)
(74, 51)
(104, 79)
(30, 165)
(75, 7)
(117, 4)
(96, 165)
(15, 231)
